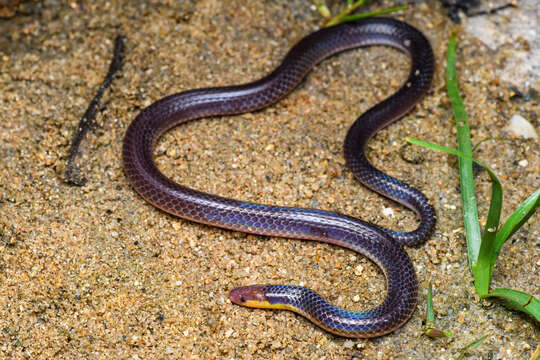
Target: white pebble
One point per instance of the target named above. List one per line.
(388, 212)
(519, 126)
(523, 163)
(358, 270)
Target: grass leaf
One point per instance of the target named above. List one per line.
(516, 220)
(470, 210)
(487, 256)
(370, 14)
(492, 240)
(489, 139)
(430, 314)
(351, 6)
(470, 347)
(519, 300)
(430, 329)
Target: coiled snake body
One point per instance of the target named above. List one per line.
(381, 245)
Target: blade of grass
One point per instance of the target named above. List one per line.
(516, 220)
(470, 347)
(374, 13)
(470, 210)
(518, 300)
(490, 249)
(430, 329)
(486, 256)
(492, 240)
(349, 9)
(488, 139)
(453, 152)
(430, 314)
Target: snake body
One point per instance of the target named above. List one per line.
(381, 245)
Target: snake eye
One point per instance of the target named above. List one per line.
(243, 299)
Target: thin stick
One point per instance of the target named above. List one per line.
(88, 120)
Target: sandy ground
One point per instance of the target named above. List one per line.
(95, 272)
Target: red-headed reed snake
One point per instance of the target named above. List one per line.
(381, 245)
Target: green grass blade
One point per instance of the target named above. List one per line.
(470, 347)
(451, 151)
(470, 210)
(370, 14)
(483, 250)
(344, 15)
(349, 9)
(487, 255)
(489, 139)
(519, 300)
(516, 220)
(483, 267)
(354, 5)
(430, 314)
(490, 248)
(430, 329)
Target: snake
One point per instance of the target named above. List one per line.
(382, 246)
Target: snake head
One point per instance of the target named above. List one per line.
(260, 296)
(250, 296)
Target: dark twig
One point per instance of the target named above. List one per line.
(88, 120)
(491, 11)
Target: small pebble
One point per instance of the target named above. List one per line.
(358, 269)
(388, 212)
(519, 126)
